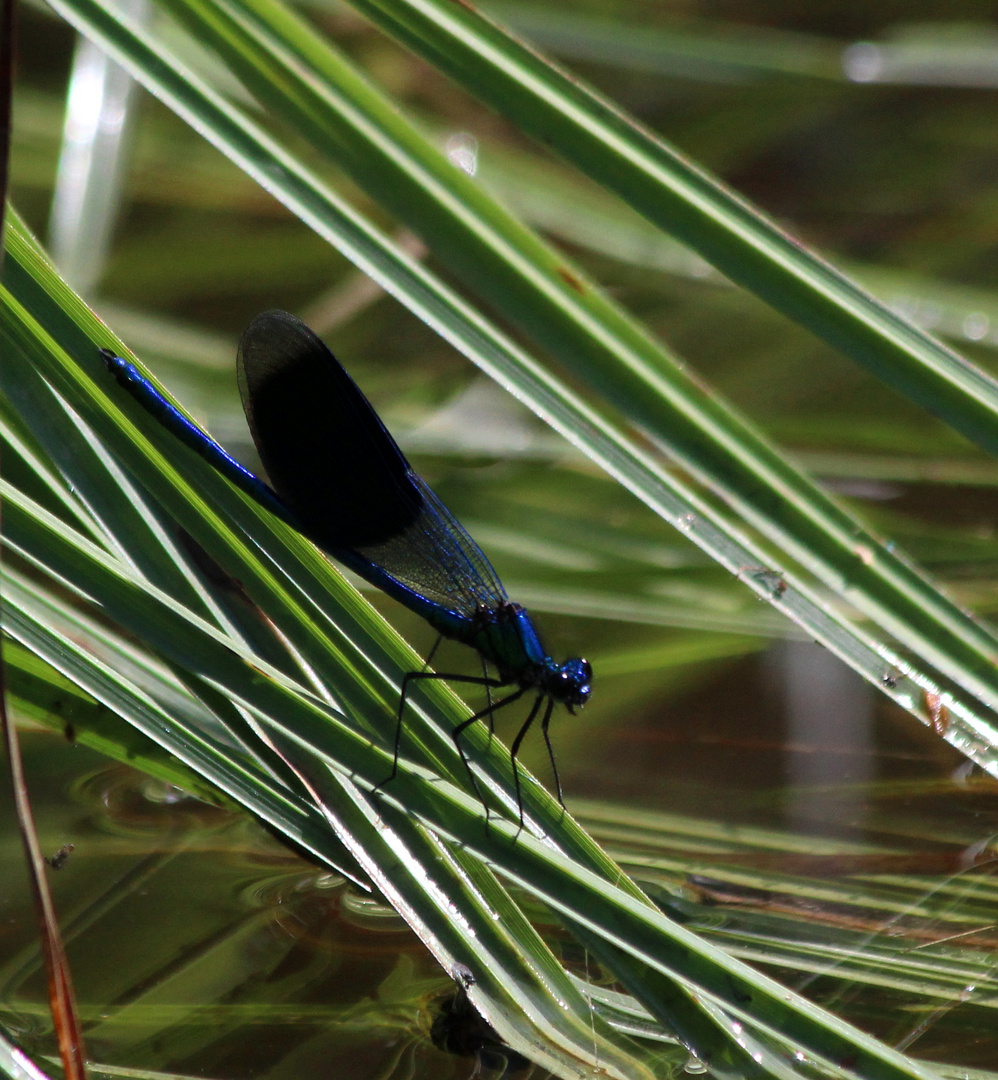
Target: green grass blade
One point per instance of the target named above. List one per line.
(319, 739)
(707, 436)
(339, 754)
(224, 662)
(689, 204)
(531, 863)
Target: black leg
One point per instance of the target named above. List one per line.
(423, 674)
(547, 742)
(432, 652)
(488, 698)
(515, 749)
(464, 725)
(413, 676)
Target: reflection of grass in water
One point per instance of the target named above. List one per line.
(896, 931)
(198, 245)
(847, 921)
(259, 957)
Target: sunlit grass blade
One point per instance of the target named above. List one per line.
(16, 1065)
(688, 203)
(388, 839)
(927, 938)
(971, 728)
(361, 662)
(331, 635)
(36, 286)
(458, 816)
(220, 661)
(215, 759)
(624, 921)
(632, 371)
(305, 81)
(39, 692)
(292, 714)
(124, 599)
(187, 744)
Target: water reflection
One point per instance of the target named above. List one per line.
(201, 946)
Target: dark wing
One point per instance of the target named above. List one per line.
(333, 462)
(325, 450)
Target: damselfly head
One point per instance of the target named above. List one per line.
(571, 683)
